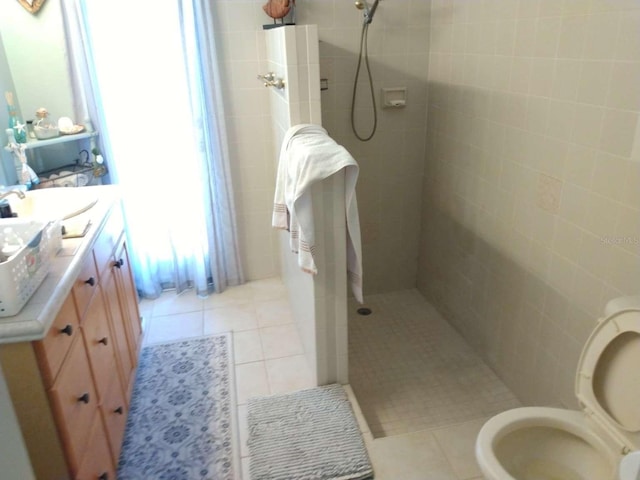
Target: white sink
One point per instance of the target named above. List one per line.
(53, 203)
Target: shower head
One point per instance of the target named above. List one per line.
(369, 12)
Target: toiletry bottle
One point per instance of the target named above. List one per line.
(19, 128)
(5, 210)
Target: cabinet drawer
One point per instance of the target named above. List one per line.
(85, 285)
(108, 239)
(74, 402)
(129, 298)
(99, 343)
(97, 463)
(52, 349)
(114, 413)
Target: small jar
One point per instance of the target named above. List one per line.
(43, 127)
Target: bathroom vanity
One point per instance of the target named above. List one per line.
(69, 357)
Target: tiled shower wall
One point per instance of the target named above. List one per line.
(531, 205)
(319, 302)
(391, 164)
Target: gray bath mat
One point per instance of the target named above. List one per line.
(307, 435)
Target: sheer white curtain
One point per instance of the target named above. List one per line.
(151, 71)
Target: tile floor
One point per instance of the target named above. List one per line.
(268, 359)
(412, 371)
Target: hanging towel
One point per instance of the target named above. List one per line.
(309, 155)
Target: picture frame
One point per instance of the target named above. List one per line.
(32, 6)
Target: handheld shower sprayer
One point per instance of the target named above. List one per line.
(369, 12)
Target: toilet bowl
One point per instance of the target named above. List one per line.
(544, 443)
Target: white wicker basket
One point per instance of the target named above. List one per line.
(23, 272)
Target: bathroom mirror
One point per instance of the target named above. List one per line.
(36, 52)
(33, 65)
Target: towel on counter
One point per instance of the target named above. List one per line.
(309, 155)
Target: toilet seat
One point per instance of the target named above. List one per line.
(608, 378)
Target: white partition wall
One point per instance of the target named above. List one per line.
(319, 302)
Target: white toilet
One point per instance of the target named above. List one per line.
(543, 443)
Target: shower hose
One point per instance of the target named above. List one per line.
(363, 49)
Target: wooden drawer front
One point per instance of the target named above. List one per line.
(114, 413)
(108, 239)
(74, 402)
(130, 300)
(85, 285)
(119, 332)
(97, 463)
(52, 349)
(99, 344)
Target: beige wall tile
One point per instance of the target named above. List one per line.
(602, 35)
(549, 192)
(594, 82)
(628, 229)
(566, 78)
(628, 44)
(555, 147)
(623, 92)
(572, 36)
(618, 132)
(610, 175)
(587, 125)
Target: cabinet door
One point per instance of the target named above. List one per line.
(85, 285)
(114, 413)
(108, 240)
(74, 402)
(129, 298)
(119, 329)
(99, 342)
(97, 463)
(52, 349)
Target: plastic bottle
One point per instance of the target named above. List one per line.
(19, 128)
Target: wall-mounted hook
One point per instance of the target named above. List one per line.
(270, 80)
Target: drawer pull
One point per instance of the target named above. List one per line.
(118, 263)
(67, 330)
(104, 476)
(91, 281)
(104, 341)
(84, 398)
(119, 411)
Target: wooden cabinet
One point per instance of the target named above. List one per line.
(82, 372)
(74, 402)
(96, 464)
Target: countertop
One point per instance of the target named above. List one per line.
(35, 319)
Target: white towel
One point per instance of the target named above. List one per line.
(309, 155)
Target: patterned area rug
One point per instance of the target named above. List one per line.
(181, 423)
(307, 435)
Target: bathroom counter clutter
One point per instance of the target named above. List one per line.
(36, 317)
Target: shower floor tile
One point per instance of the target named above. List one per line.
(411, 371)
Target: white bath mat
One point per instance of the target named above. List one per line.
(307, 435)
